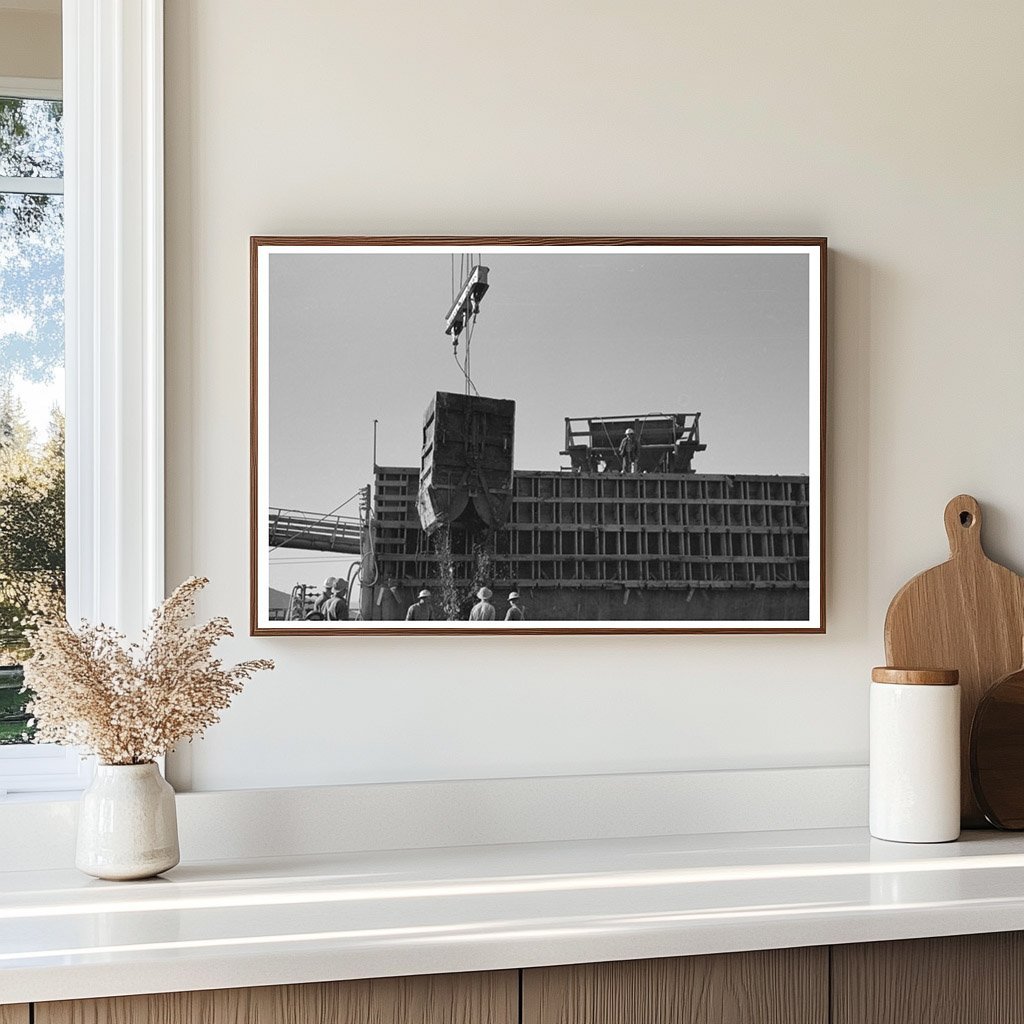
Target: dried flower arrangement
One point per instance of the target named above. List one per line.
(128, 704)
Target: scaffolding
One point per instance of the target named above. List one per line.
(667, 441)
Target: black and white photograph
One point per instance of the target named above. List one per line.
(537, 435)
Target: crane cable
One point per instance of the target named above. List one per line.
(465, 266)
(465, 372)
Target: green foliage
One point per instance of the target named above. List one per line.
(14, 719)
(31, 138)
(31, 547)
(31, 523)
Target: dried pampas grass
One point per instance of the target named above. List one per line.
(128, 704)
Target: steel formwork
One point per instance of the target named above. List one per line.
(604, 531)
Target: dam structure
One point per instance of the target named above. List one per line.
(584, 545)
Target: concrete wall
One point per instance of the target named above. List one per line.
(30, 44)
(894, 129)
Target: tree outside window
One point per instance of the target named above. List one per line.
(31, 386)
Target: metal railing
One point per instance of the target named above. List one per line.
(309, 531)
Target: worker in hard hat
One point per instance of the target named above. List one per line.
(422, 610)
(483, 610)
(325, 595)
(629, 451)
(336, 609)
(515, 609)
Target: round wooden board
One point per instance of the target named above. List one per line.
(997, 752)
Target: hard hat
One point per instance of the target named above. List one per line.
(514, 596)
(629, 430)
(340, 586)
(423, 593)
(484, 594)
(329, 582)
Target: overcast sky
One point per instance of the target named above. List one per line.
(354, 337)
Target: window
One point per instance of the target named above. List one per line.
(32, 531)
(31, 382)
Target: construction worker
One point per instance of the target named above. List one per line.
(336, 609)
(515, 611)
(421, 611)
(483, 610)
(629, 451)
(325, 596)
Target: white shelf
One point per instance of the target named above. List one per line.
(227, 924)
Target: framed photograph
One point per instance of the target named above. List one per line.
(537, 435)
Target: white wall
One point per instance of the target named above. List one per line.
(894, 129)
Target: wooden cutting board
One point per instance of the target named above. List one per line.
(967, 614)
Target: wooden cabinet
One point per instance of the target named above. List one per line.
(778, 986)
(967, 979)
(491, 998)
(972, 979)
(963, 979)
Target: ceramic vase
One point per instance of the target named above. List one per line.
(127, 825)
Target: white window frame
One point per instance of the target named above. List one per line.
(114, 327)
(32, 88)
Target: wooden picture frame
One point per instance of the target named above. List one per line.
(705, 520)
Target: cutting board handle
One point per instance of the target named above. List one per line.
(963, 527)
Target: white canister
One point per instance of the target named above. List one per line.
(915, 755)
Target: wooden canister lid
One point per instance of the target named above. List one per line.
(916, 676)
